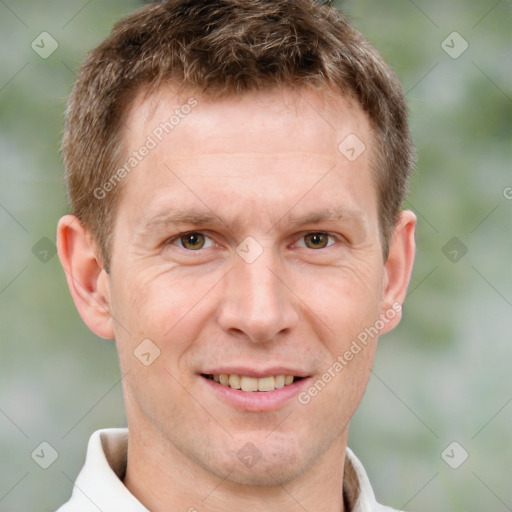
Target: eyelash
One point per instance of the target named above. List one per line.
(177, 238)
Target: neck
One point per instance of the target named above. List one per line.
(163, 478)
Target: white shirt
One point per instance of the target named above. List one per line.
(99, 485)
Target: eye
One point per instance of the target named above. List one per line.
(317, 240)
(193, 241)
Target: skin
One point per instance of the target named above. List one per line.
(260, 164)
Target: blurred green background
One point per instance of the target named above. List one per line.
(443, 375)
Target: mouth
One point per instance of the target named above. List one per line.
(252, 384)
(255, 390)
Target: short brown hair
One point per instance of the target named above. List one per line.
(223, 47)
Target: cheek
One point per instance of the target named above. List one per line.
(161, 306)
(347, 299)
(335, 394)
(349, 307)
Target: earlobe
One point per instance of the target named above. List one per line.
(87, 281)
(398, 267)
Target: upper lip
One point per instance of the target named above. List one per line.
(256, 373)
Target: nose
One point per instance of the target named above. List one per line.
(257, 303)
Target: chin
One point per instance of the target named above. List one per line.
(258, 461)
(266, 473)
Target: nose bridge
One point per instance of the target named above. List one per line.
(256, 302)
(262, 288)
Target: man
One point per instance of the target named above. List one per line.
(235, 170)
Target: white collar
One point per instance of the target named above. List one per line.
(99, 485)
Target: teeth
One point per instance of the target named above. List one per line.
(234, 381)
(253, 384)
(266, 384)
(279, 381)
(248, 383)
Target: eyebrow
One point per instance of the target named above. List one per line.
(183, 216)
(197, 218)
(326, 214)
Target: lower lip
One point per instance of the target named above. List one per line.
(257, 401)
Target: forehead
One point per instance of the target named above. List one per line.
(265, 148)
(269, 121)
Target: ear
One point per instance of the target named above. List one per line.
(87, 281)
(398, 268)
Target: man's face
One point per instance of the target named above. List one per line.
(246, 243)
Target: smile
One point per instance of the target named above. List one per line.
(252, 384)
